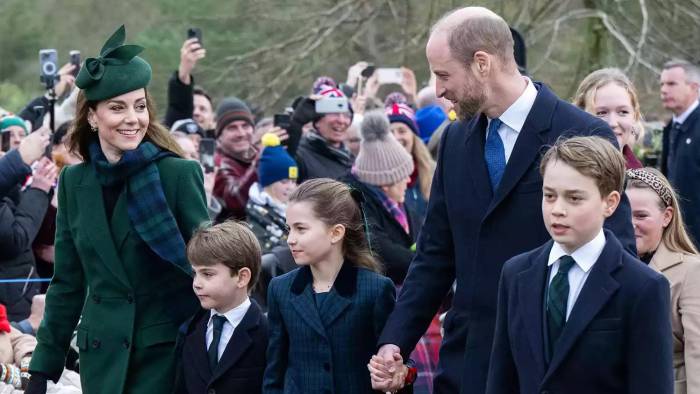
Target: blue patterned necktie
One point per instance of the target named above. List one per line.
(213, 352)
(557, 300)
(495, 153)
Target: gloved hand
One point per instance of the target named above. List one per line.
(37, 384)
(304, 110)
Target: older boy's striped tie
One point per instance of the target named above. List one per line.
(218, 323)
(557, 298)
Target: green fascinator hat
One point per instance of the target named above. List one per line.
(116, 71)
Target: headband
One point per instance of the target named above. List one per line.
(654, 182)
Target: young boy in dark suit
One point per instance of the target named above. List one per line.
(224, 344)
(579, 314)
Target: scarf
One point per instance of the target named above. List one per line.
(148, 210)
(395, 209)
(341, 154)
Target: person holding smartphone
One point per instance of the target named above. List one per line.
(322, 152)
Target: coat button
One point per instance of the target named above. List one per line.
(95, 343)
(130, 299)
(126, 344)
(326, 367)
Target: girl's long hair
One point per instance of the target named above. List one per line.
(425, 164)
(332, 202)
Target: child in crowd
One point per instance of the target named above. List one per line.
(578, 314)
(326, 316)
(224, 344)
(15, 352)
(277, 179)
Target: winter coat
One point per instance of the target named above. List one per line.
(14, 346)
(180, 101)
(266, 218)
(233, 180)
(316, 160)
(12, 171)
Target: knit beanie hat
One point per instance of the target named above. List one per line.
(231, 109)
(323, 83)
(331, 91)
(397, 109)
(429, 119)
(12, 120)
(275, 164)
(382, 160)
(116, 71)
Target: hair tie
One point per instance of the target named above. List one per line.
(654, 182)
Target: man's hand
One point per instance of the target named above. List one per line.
(409, 84)
(387, 371)
(354, 73)
(45, 175)
(190, 53)
(33, 146)
(358, 104)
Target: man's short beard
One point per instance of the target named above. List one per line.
(470, 105)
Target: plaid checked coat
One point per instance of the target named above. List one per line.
(324, 351)
(130, 301)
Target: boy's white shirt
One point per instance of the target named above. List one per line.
(585, 258)
(233, 319)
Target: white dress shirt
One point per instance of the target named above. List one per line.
(514, 117)
(682, 117)
(233, 319)
(585, 258)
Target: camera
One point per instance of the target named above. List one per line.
(75, 61)
(48, 63)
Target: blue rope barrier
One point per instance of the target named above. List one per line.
(30, 280)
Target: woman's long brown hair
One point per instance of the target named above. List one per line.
(80, 136)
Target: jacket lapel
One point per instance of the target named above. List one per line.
(531, 285)
(97, 228)
(528, 146)
(120, 223)
(475, 140)
(198, 349)
(240, 340)
(340, 296)
(598, 289)
(664, 259)
(303, 301)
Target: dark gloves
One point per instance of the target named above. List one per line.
(37, 384)
(304, 110)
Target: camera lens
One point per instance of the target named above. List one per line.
(49, 68)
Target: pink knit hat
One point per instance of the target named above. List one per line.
(382, 160)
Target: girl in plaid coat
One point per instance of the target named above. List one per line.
(326, 316)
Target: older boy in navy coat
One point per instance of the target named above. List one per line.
(223, 349)
(579, 314)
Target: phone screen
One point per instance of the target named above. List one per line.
(282, 121)
(206, 154)
(195, 32)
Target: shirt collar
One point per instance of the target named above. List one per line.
(515, 116)
(235, 315)
(585, 256)
(682, 117)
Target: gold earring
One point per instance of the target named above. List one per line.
(93, 129)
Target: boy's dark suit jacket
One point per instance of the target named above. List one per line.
(241, 367)
(617, 338)
(469, 232)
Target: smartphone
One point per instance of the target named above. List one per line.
(48, 63)
(206, 153)
(387, 76)
(195, 32)
(5, 144)
(332, 105)
(75, 60)
(283, 121)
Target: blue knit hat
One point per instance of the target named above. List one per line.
(275, 163)
(429, 119)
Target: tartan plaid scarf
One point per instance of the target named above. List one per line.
(395, 209)
(148, 210)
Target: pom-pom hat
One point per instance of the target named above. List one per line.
(117, 70)
(275, 163)
(382, 160)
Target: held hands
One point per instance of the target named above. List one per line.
(387, 370)
(190, 53)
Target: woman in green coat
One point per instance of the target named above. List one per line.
(124, 217)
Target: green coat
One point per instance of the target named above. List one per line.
(130, 302)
